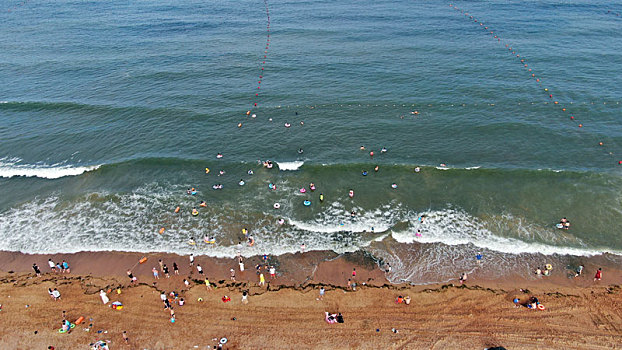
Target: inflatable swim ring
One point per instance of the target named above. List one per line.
(541, 307)
(307, 203)
(303, 190)
(194, 193)
(312, 186)
(276, 205)
(394, 186)
(241, 183)
(195, 212)
(549, 267)
(559, 226)
(209, 241)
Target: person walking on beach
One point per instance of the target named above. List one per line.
(353, 273)
(191, 258)
(131, 276)
(262, 280)
(66, 267)
(125, 338)
(232, 271)
(208, 285)
(175, 269)
(37, 271)
(156, 274)
(272, 272)
(579, 271)
(199, 269)
(52, 265)
(322, 292)
(161, 265)
(599, 274)
(478, 257)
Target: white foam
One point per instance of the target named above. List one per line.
(10, 167)
(452, 227)
(290, 166)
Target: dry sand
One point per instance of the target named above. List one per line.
(285, 314)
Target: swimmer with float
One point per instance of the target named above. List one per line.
(195, 212)
(241, 183)
(351, 193)
(312, 186)
(203, 204)
(321, 197)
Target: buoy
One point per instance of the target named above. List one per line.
(541, 307)
(142, 260)
(276, 205)
(600, 143)
(79, 320)
(162, 230)
(177, 210)
(580, 125)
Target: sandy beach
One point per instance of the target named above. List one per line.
(286, 313)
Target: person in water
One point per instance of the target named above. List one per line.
(364, 173)
(321, 197)
(376, 168)
(203, 204)
(300, 151)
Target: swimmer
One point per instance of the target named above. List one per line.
(417, 169)
(287, 125)
(353, 213)
(222, 172)
(250, 172)
(421, 218)
(203, 204)
(219, 155)
(371, 154)
(269, 119)
(443, 164)
(302, 123)
(393, 185)
(362, 148)
(188, 191)
(191, 241)
(376, 168)
(414, 112)
(351, 193)
(312, 186)
(207, 170)
(321, 197)
(251, 241)
(383, 150)
(272, 186)
(254, 116)
(300, 151)
(364, 173)
(241, 183)
(418, 234)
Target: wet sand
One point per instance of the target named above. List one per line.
(580, 313)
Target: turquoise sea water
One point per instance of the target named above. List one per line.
(110, 111)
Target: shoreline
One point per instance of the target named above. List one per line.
(579, 313)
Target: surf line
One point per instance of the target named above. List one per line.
(608, 147)
(256, 99)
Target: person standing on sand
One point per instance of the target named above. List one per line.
(208, 286)
(56, 294)
(125, 338)
(232, 271)
(272, 272)
(165, 270)
(599, 274)
(52, 265)
(104, 297)
(191, 258)
(156, 274)
(161, 265)
(175, 269)
(199, 269)
(37, 271)
(353, 273)
(463, 278)
(479, 258)
(241, 263)
(322, 292)
(186, 283)
(579, 271)
(262, 280)
(244, 297)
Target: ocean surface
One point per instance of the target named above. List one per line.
(110, 111)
